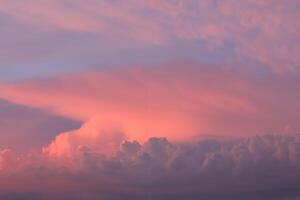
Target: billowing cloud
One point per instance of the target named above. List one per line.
(180, 101)
(259, 167)
(93, 134)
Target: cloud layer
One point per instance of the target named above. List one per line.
(260, 32)
(259, 167)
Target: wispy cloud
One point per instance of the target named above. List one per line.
(263, 32)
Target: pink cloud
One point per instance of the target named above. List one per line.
(6, 159)
(180, 101)
(92, 135)
(179, 131)
(263, 32)
(168, 132)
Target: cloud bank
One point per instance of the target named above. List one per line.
(258, 167)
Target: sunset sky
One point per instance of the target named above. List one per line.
(149, 99)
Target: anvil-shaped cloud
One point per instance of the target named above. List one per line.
(180, 101)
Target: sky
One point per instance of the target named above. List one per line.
(156, 99)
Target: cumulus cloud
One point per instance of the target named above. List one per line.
(101, 137)
(258, 167)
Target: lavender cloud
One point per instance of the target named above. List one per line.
(261, 32)
(258, 167)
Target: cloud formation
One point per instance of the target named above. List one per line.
(179, 101)
(258, 167)
(263, 32)
(177, 131)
